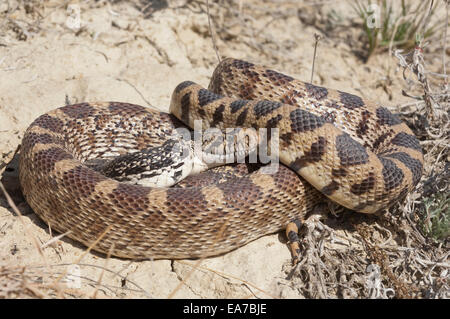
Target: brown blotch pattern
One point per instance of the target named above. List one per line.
(302, 121)
(237, 105)
(350, 152)
(385, 117)
(202, 113)
(363, 124)
(45, 160)
(412, 164)
(243, 196)
(392, 175)
(363, 187)
(286, 138)
(314, 154)
(297, 164)
(180, 87)
(265, 107)
(39, 138)
(189, 199)
(246, 91)
(130, 197)
(239, 64)
(251, 76)
(78, 111)
(330, 188)
(317, 150)
(273, 122)
(278, 79)
(341, 172)
(185, 106)
(242, 117)
(218, 115)
(206, 97)
(81, 181)
(406, 140)
(49, 122)
(286, 180)
(380, 139)
(125, 108)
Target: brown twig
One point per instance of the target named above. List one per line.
(211, 32)
(317, 37)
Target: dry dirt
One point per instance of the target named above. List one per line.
(137, 52)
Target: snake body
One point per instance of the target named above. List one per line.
(335, 144)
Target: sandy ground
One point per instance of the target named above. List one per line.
(124, 53)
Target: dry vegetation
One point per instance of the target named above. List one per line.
(403, 253)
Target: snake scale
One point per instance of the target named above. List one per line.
(332, 143)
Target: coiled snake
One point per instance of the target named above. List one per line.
(351, 150)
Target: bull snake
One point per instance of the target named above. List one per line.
(353, 151)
